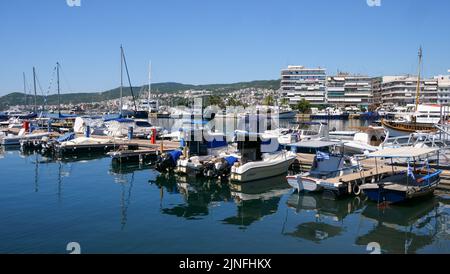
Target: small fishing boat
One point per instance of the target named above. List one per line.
(404, 185)
(325, 166)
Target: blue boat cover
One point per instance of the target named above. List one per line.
(66, 137)
(231, 160)
(217, 143)
(175, 155)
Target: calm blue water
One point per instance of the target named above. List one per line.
(45, 204)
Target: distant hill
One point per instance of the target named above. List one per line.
(17, 98)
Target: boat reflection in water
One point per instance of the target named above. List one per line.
(198, 194)
(256, 199)
(406, 229)
(326, 216)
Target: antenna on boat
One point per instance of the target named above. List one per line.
(418, 79)
(121, 80)
(25, 90)
(35, 94)
(59, 95)
(149, 85)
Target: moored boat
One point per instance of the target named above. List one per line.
(403, 186)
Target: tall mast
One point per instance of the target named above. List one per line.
(35, 94)
(418, 79)
(121, 79)
(59, 99)
(25, 90)
(149, 85)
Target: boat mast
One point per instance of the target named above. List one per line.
(59, 96)
(121, 80)
(149, 85)
(35, 94)
(25, 90)
(418, 79)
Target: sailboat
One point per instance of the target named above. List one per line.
(396, 128)
(125, 112)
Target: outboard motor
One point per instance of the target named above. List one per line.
(295, 168)
(168, 161)
(220, 168)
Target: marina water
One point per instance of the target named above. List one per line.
(45, 204)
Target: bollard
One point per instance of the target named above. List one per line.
(26, 125)
(153, 138)
(87, 133)
(130, 132)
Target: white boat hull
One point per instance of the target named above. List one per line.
(15, 140)
(262, 169)
(303, 183)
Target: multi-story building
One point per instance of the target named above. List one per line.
(349, 90)
(298, 82)
(401, 90)
(443, 89)
(376, 90)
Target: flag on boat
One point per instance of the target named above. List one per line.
(410, 172)
(322, 155)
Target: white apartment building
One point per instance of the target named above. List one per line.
(401, 90)
(350, 90)
(298, 82)
(443, 89)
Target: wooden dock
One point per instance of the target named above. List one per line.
(143, 152)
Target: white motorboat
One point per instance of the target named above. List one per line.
(368, 139)
(201, 147)
(271, 164)
(14, 140)
(325, 166)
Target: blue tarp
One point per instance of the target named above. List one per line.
(217, 143)
(66, 137)
(231, 160)
(175, 155)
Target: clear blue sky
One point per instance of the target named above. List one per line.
(209, 41)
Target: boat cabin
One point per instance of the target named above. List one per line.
(312, 146)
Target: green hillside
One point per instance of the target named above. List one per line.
(17, 98)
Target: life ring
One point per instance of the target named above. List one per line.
(356, 190)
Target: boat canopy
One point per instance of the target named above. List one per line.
(402, 152)
(313, 144)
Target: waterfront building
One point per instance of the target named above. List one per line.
(350, 90)
(443, 82)
(298, 82)
(401, 90)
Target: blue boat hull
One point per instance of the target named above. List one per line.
(383, 195)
